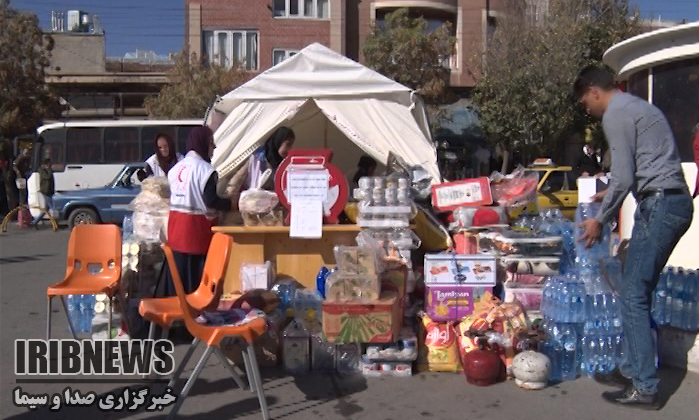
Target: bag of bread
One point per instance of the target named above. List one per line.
(438, 350)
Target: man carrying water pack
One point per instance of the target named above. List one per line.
(646, 164)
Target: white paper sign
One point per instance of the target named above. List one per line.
(306, 218)
(307, 185)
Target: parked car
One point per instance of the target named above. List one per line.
(108, 204)
(557, 188)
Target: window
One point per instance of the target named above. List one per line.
(121, 144)
(676, 93)
(279, 55)
(638, 84)
(148, 138)
(53, 148)
(554, 182)
(229, 47)
(84, 145)
(311, 9)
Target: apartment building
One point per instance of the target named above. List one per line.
(262, 33)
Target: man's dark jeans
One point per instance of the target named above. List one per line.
(659, 223)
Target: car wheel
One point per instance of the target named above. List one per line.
(83, 215)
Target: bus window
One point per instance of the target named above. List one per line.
(182, 134)
(121, 144)
(53, 147)
(84, 145)
(148, 134)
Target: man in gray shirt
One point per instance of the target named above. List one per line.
(645, 162)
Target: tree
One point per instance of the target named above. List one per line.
(25, 98)
(193, 86)
(524, 78)
(403, 49)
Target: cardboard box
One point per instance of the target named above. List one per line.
(375, 322)
(451, 302)
(472, 270)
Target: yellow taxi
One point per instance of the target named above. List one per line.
(556, 189)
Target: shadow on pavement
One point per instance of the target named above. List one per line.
(23, 259)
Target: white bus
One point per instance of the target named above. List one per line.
(89, 154)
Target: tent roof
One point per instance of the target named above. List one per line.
(315, 71)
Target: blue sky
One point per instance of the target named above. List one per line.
(158, 25)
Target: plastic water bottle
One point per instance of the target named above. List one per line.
(320, 280)
(554, 351)
(692, 307)
(678, 299)
(669, 283)
(654, 334)
(659, 298)
(87, 312)
(587, 367)
(569, 352)
(577, 302)
(74, 311)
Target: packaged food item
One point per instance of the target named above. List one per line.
(521, 242)
(467, 217)
(448, 302)
(466, 192)
(357, 260)
(256, 276)
(540, 266)
(472, 270)
(529, 295)
(341, 287)
(377, 370)
(403, 349)
(438, 351)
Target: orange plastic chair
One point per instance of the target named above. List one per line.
(93, 268)
(166, 311)
(213, 336)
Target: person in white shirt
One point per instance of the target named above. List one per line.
(164, 158)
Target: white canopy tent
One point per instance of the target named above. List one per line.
(329, 101)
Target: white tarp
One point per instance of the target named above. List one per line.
(329, 101)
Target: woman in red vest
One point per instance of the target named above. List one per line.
(193, 207)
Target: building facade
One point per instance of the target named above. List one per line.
(260, 34)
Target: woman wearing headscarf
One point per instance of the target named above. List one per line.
(269, 156)
(193, 207)
(164, 158)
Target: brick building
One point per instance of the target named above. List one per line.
(263, 33)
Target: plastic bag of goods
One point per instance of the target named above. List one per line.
(514, 190)
(156, 185)
(149, 227)
(257, 206)
(149, 202)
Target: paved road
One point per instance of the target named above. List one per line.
(30, 260)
